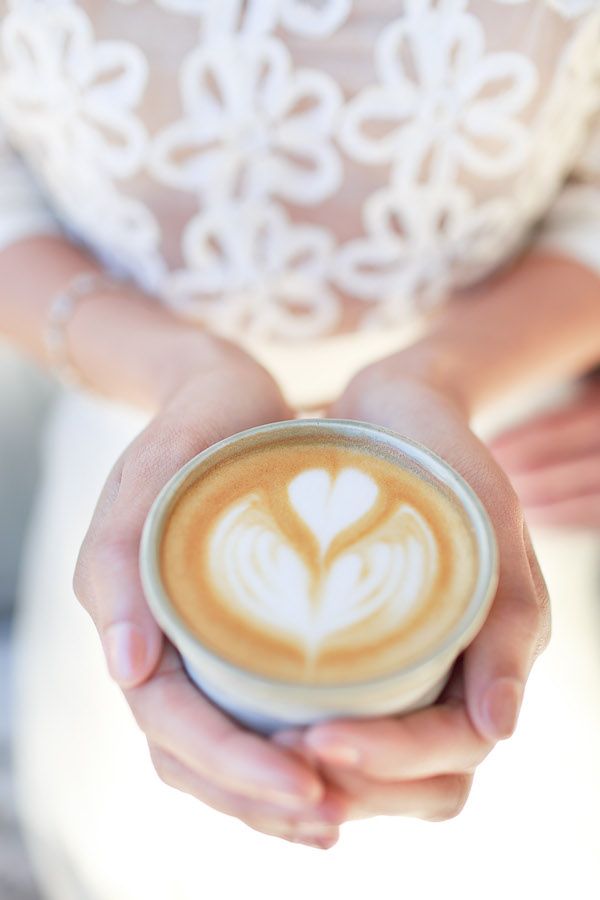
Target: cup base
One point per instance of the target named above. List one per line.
(299, 717)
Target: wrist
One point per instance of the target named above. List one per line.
(511, 333)
(129, 348)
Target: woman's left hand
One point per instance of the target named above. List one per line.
(421, 764)
(553, 460)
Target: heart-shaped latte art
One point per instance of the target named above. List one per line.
(385, 574)
(330, 505)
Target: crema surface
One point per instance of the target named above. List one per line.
(311, 562)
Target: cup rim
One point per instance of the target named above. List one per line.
(192, 647)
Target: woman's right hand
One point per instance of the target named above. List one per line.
(194, 746)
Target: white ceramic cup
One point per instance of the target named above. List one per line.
(267, 705)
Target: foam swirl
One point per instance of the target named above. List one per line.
(346, 591)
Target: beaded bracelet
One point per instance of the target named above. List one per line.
(62, 308)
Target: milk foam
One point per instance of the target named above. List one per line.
(329, 505)
(368, 587)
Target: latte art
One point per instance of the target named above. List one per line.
(329, 505)
(372, 582)
(310, 562)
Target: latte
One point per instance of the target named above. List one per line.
(318, 560)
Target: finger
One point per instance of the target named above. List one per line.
(422, 744)
(176, 716)
(107, 579)
(429, 742)
(434, 799)
(563, 479)
(498, 661)
(549, 438)
(312, 824)
(417, 745)
(132, 646)
(574, 512)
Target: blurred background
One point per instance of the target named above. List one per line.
(549, 768)
(25, 397)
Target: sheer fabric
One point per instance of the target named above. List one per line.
(287, 170)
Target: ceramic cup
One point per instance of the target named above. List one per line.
(267, 705)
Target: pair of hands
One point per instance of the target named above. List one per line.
(302, 784)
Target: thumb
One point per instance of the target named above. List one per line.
(498, 662)
(107, 578)
(107, 581)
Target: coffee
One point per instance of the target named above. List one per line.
(314, 562)
(318, 568)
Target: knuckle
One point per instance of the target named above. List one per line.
(531, 618)
(544, 605)
(541, 595)
(161, 763)
(455, 793)
(537, 621)
(474, 760)
(80, 585)
(82, 580)
(148, 708)
(544, 633)
(142, 715)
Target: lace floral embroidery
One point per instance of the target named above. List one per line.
(461, 105)
(421, 169)
(259, 278)
(253, 125)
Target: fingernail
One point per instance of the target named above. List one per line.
(502, 705)
(336, 754)
(125, 648)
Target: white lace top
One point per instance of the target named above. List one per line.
(288, 170)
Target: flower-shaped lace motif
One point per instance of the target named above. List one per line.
(421, 241)
(570, 9)
(120, 229)
(253, 125)
(573, 8)
(306, 18)
(314, 18)
(70, 95)
(441, 99)
(565, 123)
(249, 271)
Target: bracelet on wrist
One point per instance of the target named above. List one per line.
(62, 308)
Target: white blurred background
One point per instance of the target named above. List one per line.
(25, 396)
